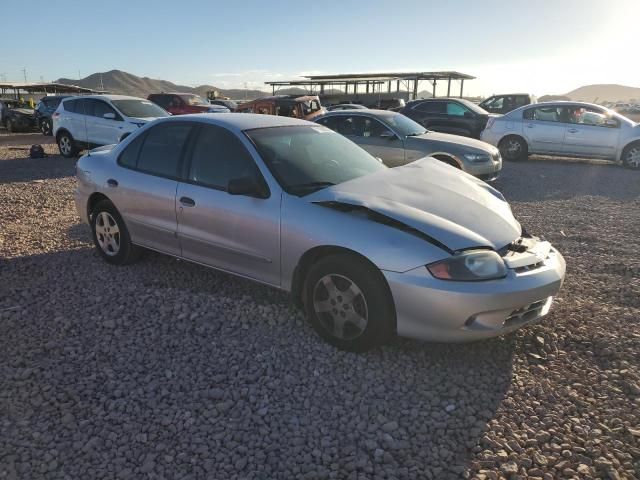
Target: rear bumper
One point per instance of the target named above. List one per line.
(438, 310)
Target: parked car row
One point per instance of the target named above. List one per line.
(369, 252)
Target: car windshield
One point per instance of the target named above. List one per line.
(193, 100)
(307, 158)
(139, 108)
(472, 106)
(404, 125)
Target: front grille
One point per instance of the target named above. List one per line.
(526, 313)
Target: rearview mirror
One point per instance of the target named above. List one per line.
(109, 116)
(247, 186)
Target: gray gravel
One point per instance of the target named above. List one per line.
(167, 370)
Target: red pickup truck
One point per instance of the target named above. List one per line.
(183, 103)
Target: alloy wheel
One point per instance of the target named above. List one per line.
(107, 233)
(633, 158)
(65, 145)
(44, 127)
(340, 306)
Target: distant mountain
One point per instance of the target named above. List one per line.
(123, 83)
(604, 92)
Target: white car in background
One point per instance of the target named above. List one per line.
(95, 120)
(568, 129)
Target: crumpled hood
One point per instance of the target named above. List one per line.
(24, 111)
(440, 201)
(455, 139)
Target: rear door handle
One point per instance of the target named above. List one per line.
(573, 130)
(112, 183)
(530, 125)
(187, 202)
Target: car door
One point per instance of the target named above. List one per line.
(379, 140)
(544, 128)
(144, 188)
(590, 133)
(106, 131)
(236, 233)
(74, 118)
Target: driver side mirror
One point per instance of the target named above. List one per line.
(468, 115)
(611, 123)
(247, 186)
(388, 134)
(109, 116)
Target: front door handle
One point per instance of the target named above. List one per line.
(530, 125)
(573, 130)
(187, 202)
(112, 183)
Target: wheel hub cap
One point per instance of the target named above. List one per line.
(108, 234)
(633, 157)
(340, 306)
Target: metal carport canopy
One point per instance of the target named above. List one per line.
(43, 88)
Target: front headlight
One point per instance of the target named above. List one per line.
(470, 266)
(477, 157)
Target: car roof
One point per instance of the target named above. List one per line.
(369, 112)
(239, 121)
(108, 97)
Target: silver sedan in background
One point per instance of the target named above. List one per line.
(421, 250)
(398, 140)
(568, 129)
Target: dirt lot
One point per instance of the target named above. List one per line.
(167, 370)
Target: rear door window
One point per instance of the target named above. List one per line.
(431, 107)
(546, 114)
(162, 149)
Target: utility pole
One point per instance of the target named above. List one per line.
(24, 72)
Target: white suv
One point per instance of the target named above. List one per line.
(89, 121)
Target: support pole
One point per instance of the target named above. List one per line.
(449, 87)
(433, 91)
(415, 88)
(461, 86)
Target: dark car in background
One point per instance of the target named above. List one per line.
(507, 102)
(448, 115)
(44, 111)
(184, 103)
(16, 115)
(230, 104)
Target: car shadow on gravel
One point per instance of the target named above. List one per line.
(29, 169)
(539, 180)
(169, 360)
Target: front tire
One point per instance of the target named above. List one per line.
(348, 303)
(110, 235)
(631, 156)
(513, 148)
(67, 145)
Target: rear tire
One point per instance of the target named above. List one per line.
(45, 127)
(110, 235)
(67, 145)
(513, 148)
(348, 303)
(631, 156)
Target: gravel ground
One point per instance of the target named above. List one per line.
(168, 370)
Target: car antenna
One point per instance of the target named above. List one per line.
(86, 131)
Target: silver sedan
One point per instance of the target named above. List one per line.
(421, 250)
(398, 140)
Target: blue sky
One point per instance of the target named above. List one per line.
(545, 46)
